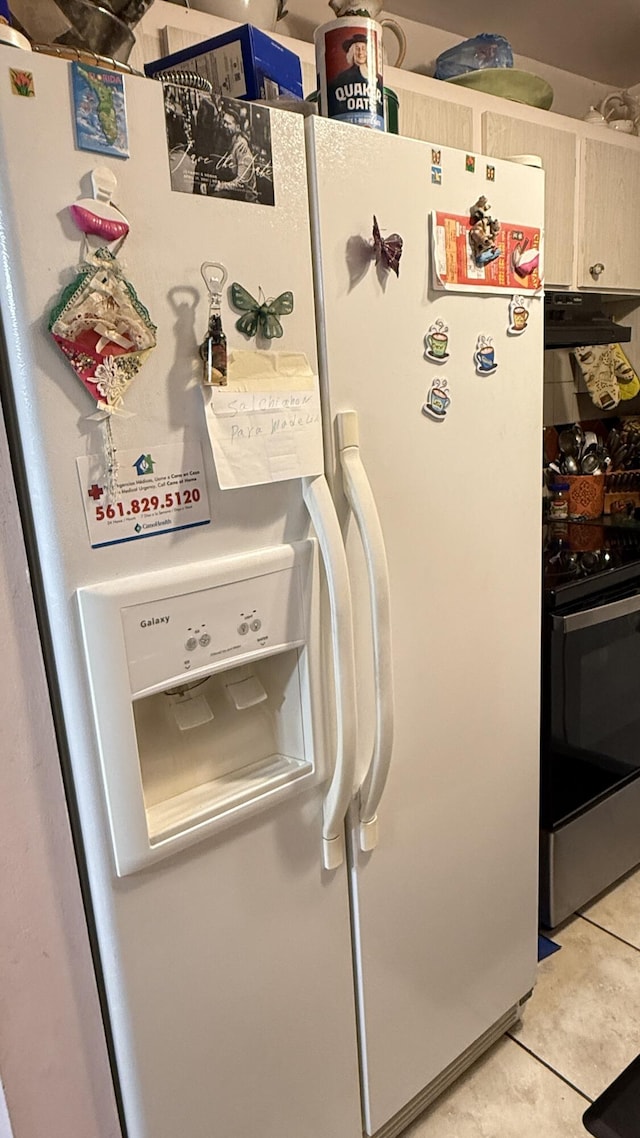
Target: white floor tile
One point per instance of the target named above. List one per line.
(584, 1016)
(506, 1094)
(618, 910)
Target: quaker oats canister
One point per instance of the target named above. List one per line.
(349, 65)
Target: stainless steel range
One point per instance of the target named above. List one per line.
(590, 754)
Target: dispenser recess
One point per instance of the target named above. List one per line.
(200, 687)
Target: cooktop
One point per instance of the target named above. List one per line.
(582, 558)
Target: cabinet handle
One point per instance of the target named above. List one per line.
(596, 270)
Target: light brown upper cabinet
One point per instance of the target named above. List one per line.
(435, 120)
(504, 136)
(609, 255)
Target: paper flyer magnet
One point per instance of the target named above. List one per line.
(438, 400)
(436, 175)
(518, 315)
(484, 356)
(470, 164)
(514, 262)
(99, 110)
(436, 342)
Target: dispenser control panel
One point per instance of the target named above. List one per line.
(194, 631)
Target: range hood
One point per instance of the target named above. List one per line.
(572, 319)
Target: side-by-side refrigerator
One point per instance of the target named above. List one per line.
(291, 625)
(440, 516)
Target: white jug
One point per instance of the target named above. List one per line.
(261, 13)
(372, 8)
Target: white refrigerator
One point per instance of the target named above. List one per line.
(266, 970)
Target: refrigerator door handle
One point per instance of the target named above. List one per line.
(338, 798)
(362, 502)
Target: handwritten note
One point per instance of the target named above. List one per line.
(260, 433)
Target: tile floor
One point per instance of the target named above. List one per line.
(579, 1030)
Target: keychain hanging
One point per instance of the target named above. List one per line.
(213, 349)
(98, 322)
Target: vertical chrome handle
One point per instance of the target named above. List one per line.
(322, 511)
(362, 502)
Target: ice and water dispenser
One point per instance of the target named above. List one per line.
(200, 686)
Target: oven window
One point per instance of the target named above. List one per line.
(595, 707)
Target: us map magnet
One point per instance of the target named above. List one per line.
(484, 356)
(438, 400)
(518, 316)
(436, 342)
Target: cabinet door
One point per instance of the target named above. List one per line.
(435, 120)
(503, 136)
(609, 223)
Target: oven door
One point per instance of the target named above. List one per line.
(594, 702)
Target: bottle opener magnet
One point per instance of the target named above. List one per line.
(213, 349)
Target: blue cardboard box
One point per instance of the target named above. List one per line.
(244, 63)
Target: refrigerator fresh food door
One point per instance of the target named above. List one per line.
(226, 964)
(444, 899)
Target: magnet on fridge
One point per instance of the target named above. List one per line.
(484, 356)
(22, 83)
(470, 164)
(98, 322)
(518, 315)
(482, 232)
(438, 400)
(436, 157)
(260, 316)
(436, 175)
(99, 110)
(491, 173)
(436, 342)
(387, 250)
(213, 349)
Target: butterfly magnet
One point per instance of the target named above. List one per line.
(261, 316)
(387, 250)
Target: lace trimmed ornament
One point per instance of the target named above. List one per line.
(98, 323)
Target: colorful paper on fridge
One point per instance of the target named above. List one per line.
(517, 268)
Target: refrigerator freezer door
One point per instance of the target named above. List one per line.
(227, 966)
(444, 908)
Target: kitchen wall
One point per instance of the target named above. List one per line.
(573, 93)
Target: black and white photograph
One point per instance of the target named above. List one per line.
(218, 147)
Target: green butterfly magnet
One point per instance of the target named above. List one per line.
(262, 317)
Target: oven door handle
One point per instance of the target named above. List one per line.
(598, 615)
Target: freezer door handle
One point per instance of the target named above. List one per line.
(363, 504)
(322, 511)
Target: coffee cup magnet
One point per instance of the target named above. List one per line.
(518, 316)
(438, 400)
(484, 356)
(436, 342)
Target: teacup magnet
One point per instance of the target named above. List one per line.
(436, 342)
(518, 316)
(438, 400)
(484, 356)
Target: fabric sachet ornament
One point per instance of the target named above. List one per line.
(99, 323)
